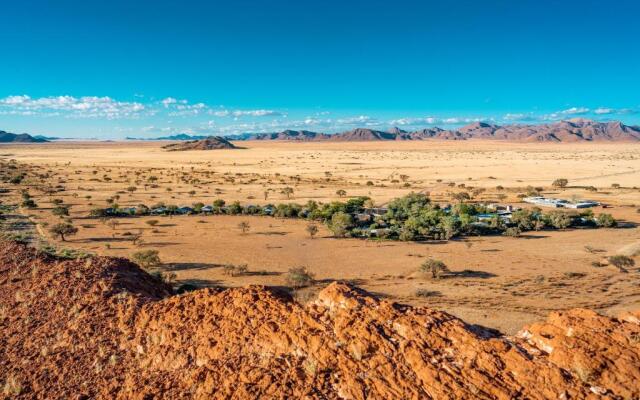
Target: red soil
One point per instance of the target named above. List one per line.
(103, 328)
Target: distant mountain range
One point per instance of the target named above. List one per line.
(185, 136)
(573, 130)
(6, 137)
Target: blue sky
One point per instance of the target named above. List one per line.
(112, 69)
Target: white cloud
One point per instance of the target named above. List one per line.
(72, 107)
(168, 101)
(509, 117)
(421, 121)
(575, 110)
(607, 110)
(358, 120)
(222, 112)
(256, 113)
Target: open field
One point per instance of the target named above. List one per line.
(497, 281)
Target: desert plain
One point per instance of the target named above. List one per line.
(497, 281)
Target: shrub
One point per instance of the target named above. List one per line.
(434, 267)
(29, 203)
(407, 235)
(97, 212)
(560, 182)
(606, 221)
(299, 277)
(288, 191)
(152, 222)
(60, 211)
(512, 231)
(147, 259)
(312, 230)
(621, 262)
(244, 227)
(185, 288)
(229, 269)
(426, 293)
(242, 269)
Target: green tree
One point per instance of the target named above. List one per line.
(340, 224)
(461, 196)
(63, 229)
(287, 191)
(60, 211)
(524, 219)
(559, 220)
(434, 267)
(560, 182)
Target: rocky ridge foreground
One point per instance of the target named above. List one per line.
(103, 328)
(573, 130)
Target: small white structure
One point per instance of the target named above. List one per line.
(375, 211)
(556, 203)
(583, 204)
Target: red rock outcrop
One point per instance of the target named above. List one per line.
(102, 328)
(210, 143)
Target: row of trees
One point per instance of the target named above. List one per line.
(407, 218)
(415, 217)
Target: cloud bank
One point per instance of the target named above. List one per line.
(173, 114)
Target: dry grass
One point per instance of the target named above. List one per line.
(503, 289)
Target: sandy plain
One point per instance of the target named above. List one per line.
(499, 282)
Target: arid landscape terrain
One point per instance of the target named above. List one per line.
(496, 281)
(329, 200)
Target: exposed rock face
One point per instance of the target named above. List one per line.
(291, 135)
(6, 137)
(362, 134)
(102, 328)
(574, 130)
(210, 143)
(397, 131)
